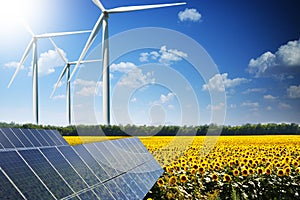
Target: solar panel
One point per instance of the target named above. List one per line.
(118, 169)
(26, 142)
(23, 177)
(96, 167)
(64, 168)
(7, 188)
(12, 138)
(46, 172)
(78, 164)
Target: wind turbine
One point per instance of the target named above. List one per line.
(66, 70)
(103, 19)
(33, 45)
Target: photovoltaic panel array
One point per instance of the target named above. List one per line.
(117, 169)
(15, 138)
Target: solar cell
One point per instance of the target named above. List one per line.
(22, 137)
(115, 190)
(4, 141)
(46, 137)
(96, 167)
(64, 168)
(137, 188)
(46, 172)
(125, 187)
(12, 138)
(53, 136)
(88, 195)
(59, 137)
(79, 165)
(7, 189)
(23, 177)
(31, 138)
(111, 171)
(103, 193)
(39, 137)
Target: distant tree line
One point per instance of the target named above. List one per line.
(133, 130)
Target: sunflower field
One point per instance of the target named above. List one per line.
(236, 167)
(225, 167)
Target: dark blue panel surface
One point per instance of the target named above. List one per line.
(115, 190)
(22, 137)
(7, 190)
(22, 176)
(111, 171)
(91, 162)
(88, 195)
(31, 137)
(64, 168)
(12, 138)
(59, 137)
(46, 173)
(82, 169)
(136, 188)
(4, 141)
(52, 135)
(103, 193)
(126, 188)
(39, 137)
(46, 137)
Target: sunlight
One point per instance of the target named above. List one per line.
(12, 12)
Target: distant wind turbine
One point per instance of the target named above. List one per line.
(103, 19)
(33, 45)
(66, 70)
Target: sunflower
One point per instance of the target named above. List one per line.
(160, 182)
(287, 171)
(214, 177)
(298, 170)
(268, 171)
(172, 180)
(245, 172)
(201, 170)
(295, 164)
(236, 172)
(227, 178)
(251, 171)
(280, 172)
(193, 171)
(259, 170)
(183, 178)
(195, 166)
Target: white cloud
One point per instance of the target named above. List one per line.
(219, 106)
(220, 81)
(164, 55)
(253, 105)
(269, 108)
(189, 14)
(284, 62)
(254, 90)
(135, 78)
(57, 97)
(171, 107)
(293, 91)
(282, 105)
(123, 67)
(12, 65)
(167, 98)
(269, 97)
(88, 88)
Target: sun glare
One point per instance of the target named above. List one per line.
(12, 12)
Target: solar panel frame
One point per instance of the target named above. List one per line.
(79, 165)
(64, 168)
(12, 138)
(6, 143)
(94, 165)
(23, 176)
(22, 137)
(47, 173)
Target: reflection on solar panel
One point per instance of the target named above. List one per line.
(39, 164)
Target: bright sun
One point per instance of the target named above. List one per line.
(12, 12)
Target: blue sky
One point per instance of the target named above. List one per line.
(255, 46)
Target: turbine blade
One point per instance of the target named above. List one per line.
(22, 61)
(47, 35)
(88, 43)
(28, 28)
(142, 7)
(99, 4)
(59, 51)
(59, 79)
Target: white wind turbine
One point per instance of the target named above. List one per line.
(33, 45)
(66, 70)
(103, 19)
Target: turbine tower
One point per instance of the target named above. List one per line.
(103, 19)
(33, 45)
(66, 70)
